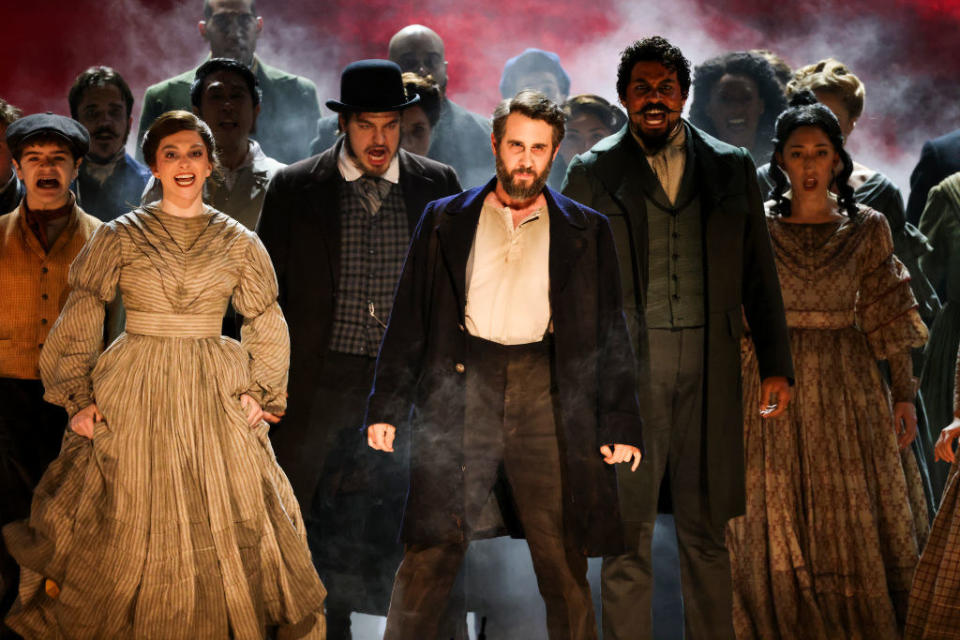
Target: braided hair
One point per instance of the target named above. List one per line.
(805, 111)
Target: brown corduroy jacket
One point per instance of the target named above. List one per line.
(33, 287)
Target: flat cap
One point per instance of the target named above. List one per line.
(74, 134)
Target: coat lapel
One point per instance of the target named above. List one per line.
(567, 242)
(618, 171)
(326, 204)
(414, 182)
(713, 181)
(455, 231)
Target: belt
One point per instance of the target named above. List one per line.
(820, 319)
(174, 325)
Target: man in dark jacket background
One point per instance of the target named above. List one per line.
(289, 109)
(507, 365)
(694, 250)
(337, 227)
(109, 182)
(939, 158)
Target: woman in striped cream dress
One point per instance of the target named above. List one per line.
(166, 515)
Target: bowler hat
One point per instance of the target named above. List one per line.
(371, 85)
(73, 133)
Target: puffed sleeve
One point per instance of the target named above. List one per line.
(76, 339)
(886, 310)
(264, 332)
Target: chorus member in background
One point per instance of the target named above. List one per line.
(226, 95)
(38, 241)
(780, 67)
(538, 70)
(835, 518)
(289, 108)
(337, 227)
(166, 515)
(110, 181)
(688, 222)
(512, 419)
(939, 159)
(932, 614)
(417, 122)
(737, 98)
(11, 189)
(940, 223)
(460, 138)
(590, 119)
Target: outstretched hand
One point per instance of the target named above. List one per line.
(905, 423)
(775, 396)
(380, 436)
(621, 453)
(82, 421)
(943, 450)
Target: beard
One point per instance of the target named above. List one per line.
(653, 142)
(518, 191)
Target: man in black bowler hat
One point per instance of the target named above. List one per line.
(337, 226)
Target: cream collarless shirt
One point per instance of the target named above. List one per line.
(508, 276)
(669, 161)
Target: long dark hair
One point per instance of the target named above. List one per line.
(805, 111)
(739, 63)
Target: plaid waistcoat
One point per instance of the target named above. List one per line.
(372, 251)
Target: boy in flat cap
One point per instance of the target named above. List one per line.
(337, 227)
(38, 242)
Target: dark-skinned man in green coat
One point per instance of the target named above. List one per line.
(695, 256)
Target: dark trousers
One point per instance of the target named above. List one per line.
(31, 432)
(353, 519)
(673, 435)
(512, 471)
(351, 564)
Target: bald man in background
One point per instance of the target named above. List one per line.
(460, 138)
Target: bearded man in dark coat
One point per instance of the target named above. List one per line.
(507, 367)
(695, 255)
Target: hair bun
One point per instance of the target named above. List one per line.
(803, 98)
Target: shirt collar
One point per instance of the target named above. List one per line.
(351, 172)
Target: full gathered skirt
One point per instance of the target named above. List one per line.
(835, 514)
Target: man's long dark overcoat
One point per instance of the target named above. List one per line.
(419, 385)
(300, 227)
(739, 270)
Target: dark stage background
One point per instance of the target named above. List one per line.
(905, 51)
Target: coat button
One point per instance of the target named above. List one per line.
(459, 368)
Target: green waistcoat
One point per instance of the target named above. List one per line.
(675, 292)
